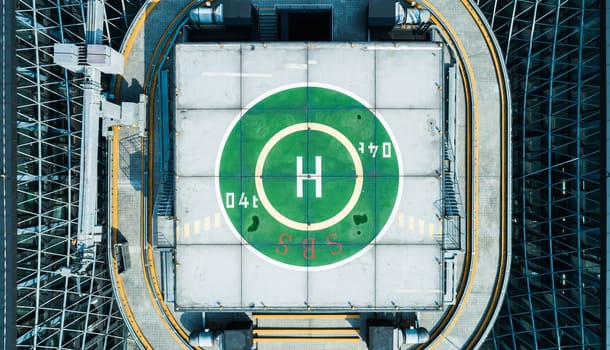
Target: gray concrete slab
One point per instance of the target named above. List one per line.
(418, 138)
(408, 276)
(208, 275)
(198, 134)
(408, 81)
(199, 220)
(336, 63)
(416, 221)
(268, 67)
(267, 284)
(196, 68)
(349, 284)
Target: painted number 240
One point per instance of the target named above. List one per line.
(386, 149)
(243, 200)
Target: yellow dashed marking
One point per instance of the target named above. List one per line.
(422, 226)
(411, 224)
(431, 229)
(187, 230)
(217, 222)
(177, 232)
(401, 220)
(206, 223)
(196, 227)
(440, 228)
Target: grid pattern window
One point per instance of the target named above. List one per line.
(553, 53)
(58, 306)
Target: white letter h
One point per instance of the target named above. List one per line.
(317, 177)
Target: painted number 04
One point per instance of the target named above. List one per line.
(243, 200)
(386, 149)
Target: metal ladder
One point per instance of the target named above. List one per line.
(450, 196)
(267, 24)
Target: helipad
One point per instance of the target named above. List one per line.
(309, 194)
(308, 176)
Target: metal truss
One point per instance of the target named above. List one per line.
(553, 51)
(59, 304)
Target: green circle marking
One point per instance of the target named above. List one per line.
(308, 176)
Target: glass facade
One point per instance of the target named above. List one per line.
(553, 52)
(59, 305)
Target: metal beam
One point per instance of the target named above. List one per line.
(8, 204)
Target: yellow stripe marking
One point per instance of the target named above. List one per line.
(304, 316)
(422, 226)
(206, 223)
(196, 227)
(411, 224)
(115, 227)
(273, 331)
(217, 220)
(175, 329)
(499, 72)
(401, 220)
(307, 340)
(431, 229)
(187, 230)
(137, 28)
(468, 67)
(132, 38)
(475, 157)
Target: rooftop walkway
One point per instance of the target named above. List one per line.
(150, 320)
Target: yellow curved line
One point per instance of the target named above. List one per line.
(138, 27)
(115, 227)
(154, 291)
(503, 183)
(132, 38)
(115, 198)
(131, 318)
(499, 74)
(469, 67)
(468, 257)
(149, 256)
(475, 177)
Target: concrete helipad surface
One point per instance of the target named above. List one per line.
(294, 174)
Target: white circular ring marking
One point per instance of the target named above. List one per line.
(238, 235)
(258, 176)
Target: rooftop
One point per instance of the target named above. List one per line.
(441, 119)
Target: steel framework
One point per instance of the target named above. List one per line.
(553, 51)
(58, 306)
